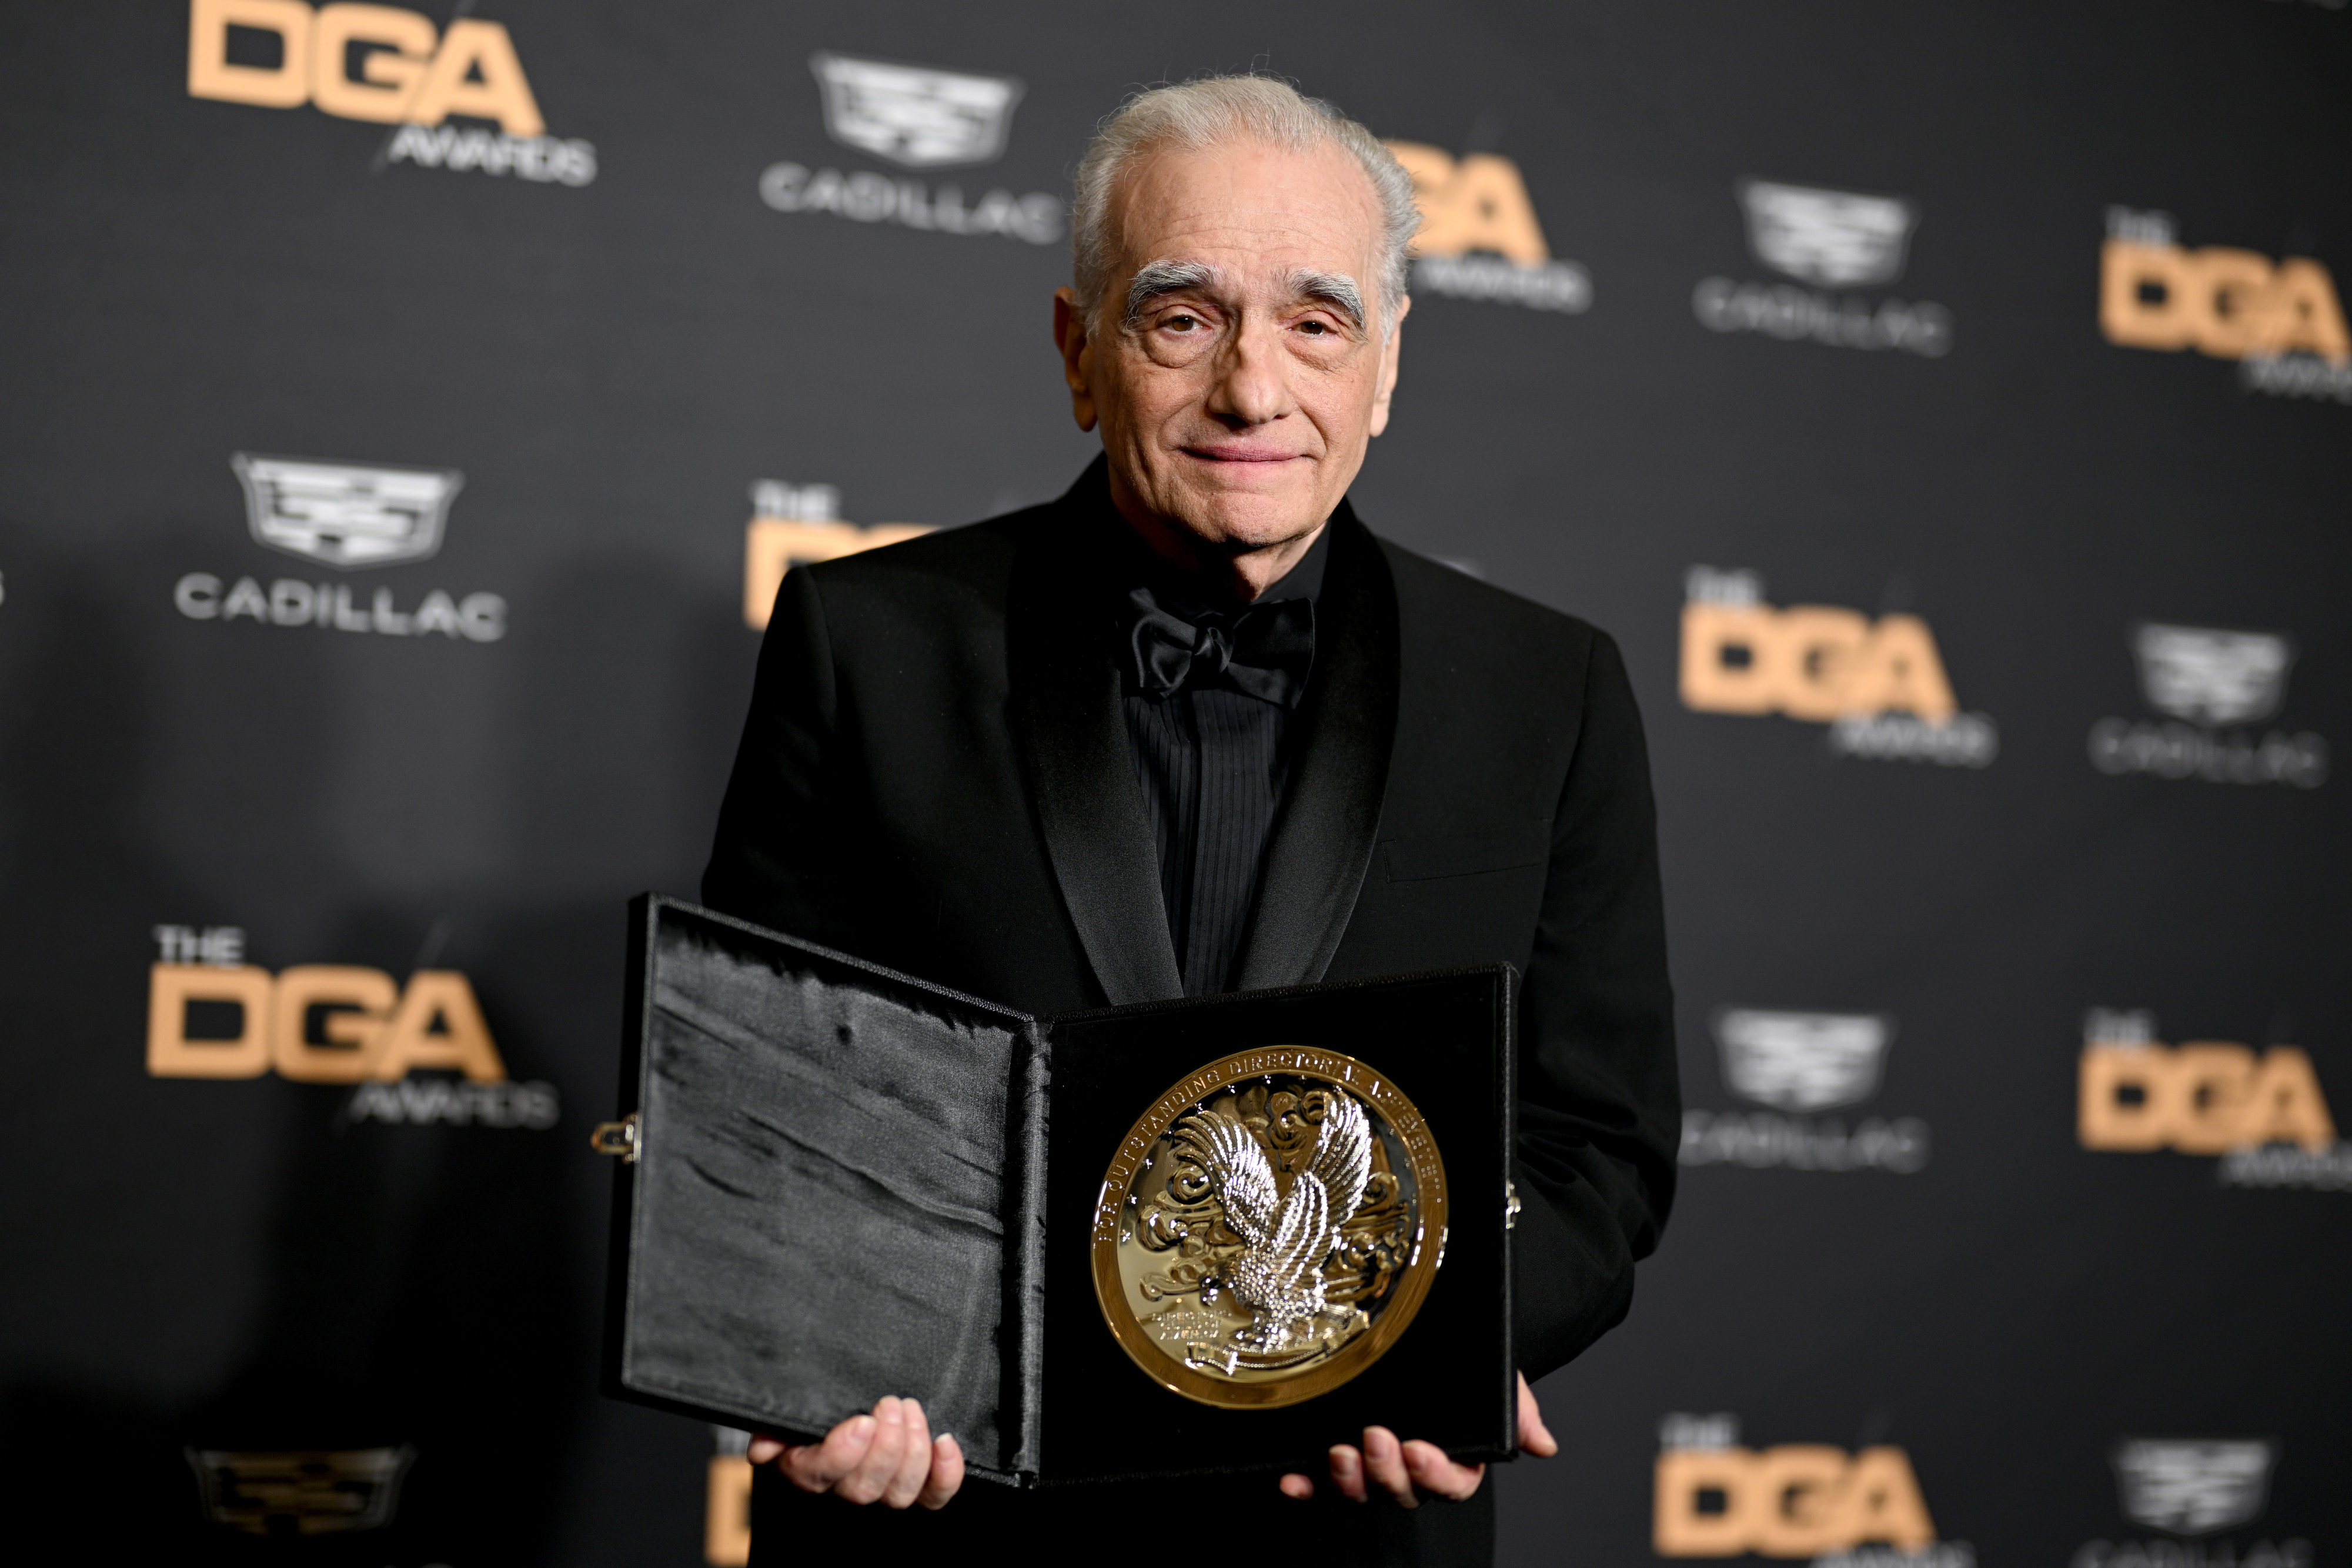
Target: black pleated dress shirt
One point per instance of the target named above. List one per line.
(1213, 761)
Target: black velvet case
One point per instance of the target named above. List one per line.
(846, 1183)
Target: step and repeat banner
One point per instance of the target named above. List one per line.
(411, 412)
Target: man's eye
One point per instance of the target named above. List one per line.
(1316, 329)
(1181, 323)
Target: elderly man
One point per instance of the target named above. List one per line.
(1193, 729)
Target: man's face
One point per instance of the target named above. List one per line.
(1235, 362)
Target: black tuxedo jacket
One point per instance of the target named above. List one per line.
(936, 775)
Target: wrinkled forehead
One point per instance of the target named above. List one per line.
(1258, 214)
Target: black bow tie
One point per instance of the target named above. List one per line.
(1266, 650)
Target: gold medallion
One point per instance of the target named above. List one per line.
(1269, 1226)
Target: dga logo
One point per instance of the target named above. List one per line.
(793, 524)
(727, 1500)
(346, 516)
(389, 66)
(2265, 1113)
(1879, 685)
(2189, 1488)
(211, 1015)
(2204, 678)
(314, 1492)
(1479, 238)
(917, 117)
(1827, 240)
(1860, 1510)
(2281, 322)
(1799, 1064)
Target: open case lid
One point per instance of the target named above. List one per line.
(841, 1182)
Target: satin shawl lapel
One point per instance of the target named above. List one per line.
(1322, 840)
(1071, 730)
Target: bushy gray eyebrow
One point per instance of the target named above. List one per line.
(1157, 277)
(1154, 280)
(1336, 289)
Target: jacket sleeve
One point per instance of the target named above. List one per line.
(777, 859)
(1600, 1105)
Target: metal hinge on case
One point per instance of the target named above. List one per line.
(621, 1138)
(1510, 1206)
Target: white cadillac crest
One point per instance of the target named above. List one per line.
(345, 514)
(2211, 676)
(2193, 1486)
(918, 116)
(1832, 239)
(1801, 1061)
(1269, 1226)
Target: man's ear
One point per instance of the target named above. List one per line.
(1070, 337)
(1388, 367)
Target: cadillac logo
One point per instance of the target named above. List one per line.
(2210, 676)
(345, 514)
(1834, 239)
(916, 115)
(1269, 1226)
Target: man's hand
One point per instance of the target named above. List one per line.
(889, 1456)
(1405, 1470)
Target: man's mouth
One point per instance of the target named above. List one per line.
(1238, 454)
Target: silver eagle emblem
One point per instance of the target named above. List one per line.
(1286, 1236)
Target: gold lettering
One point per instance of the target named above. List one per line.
(2284, 1102)
(361, 998)
(2227, 305)
(727, 1516)
(1478, 203)
(1812, 662)
(210, 74)
(2225, 302)
(2304, 312)
(1686, 1478)
(172, 1054)
(473, 48)
(1730, 656)
(1796, 1501)
(1793, 1495)
(463, 1041)
(1880, 1500)
(1900, 669)
(773, 546)
(2145, 295)
(2207, 1097)
(1820, 647)
(388, 76)
(2105, 1119)
(2209, 1080)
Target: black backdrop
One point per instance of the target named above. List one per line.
(598, 301)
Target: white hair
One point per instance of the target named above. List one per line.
(1208, 112)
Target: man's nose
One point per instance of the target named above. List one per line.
(1250, 387)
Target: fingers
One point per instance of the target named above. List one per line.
(905, 1484)
(1297, 1487)
(872, 1475)
(1384, 1463)
(818, 1466)
(946, 1471)
(763, 1448)
(1432, 1471)
(1403, 1470)
(1348, 1472)
(1535, 1437)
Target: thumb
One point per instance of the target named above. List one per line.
(1535, 1437)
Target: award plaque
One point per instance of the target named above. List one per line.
(1247, 1226)
(1269, 1226)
